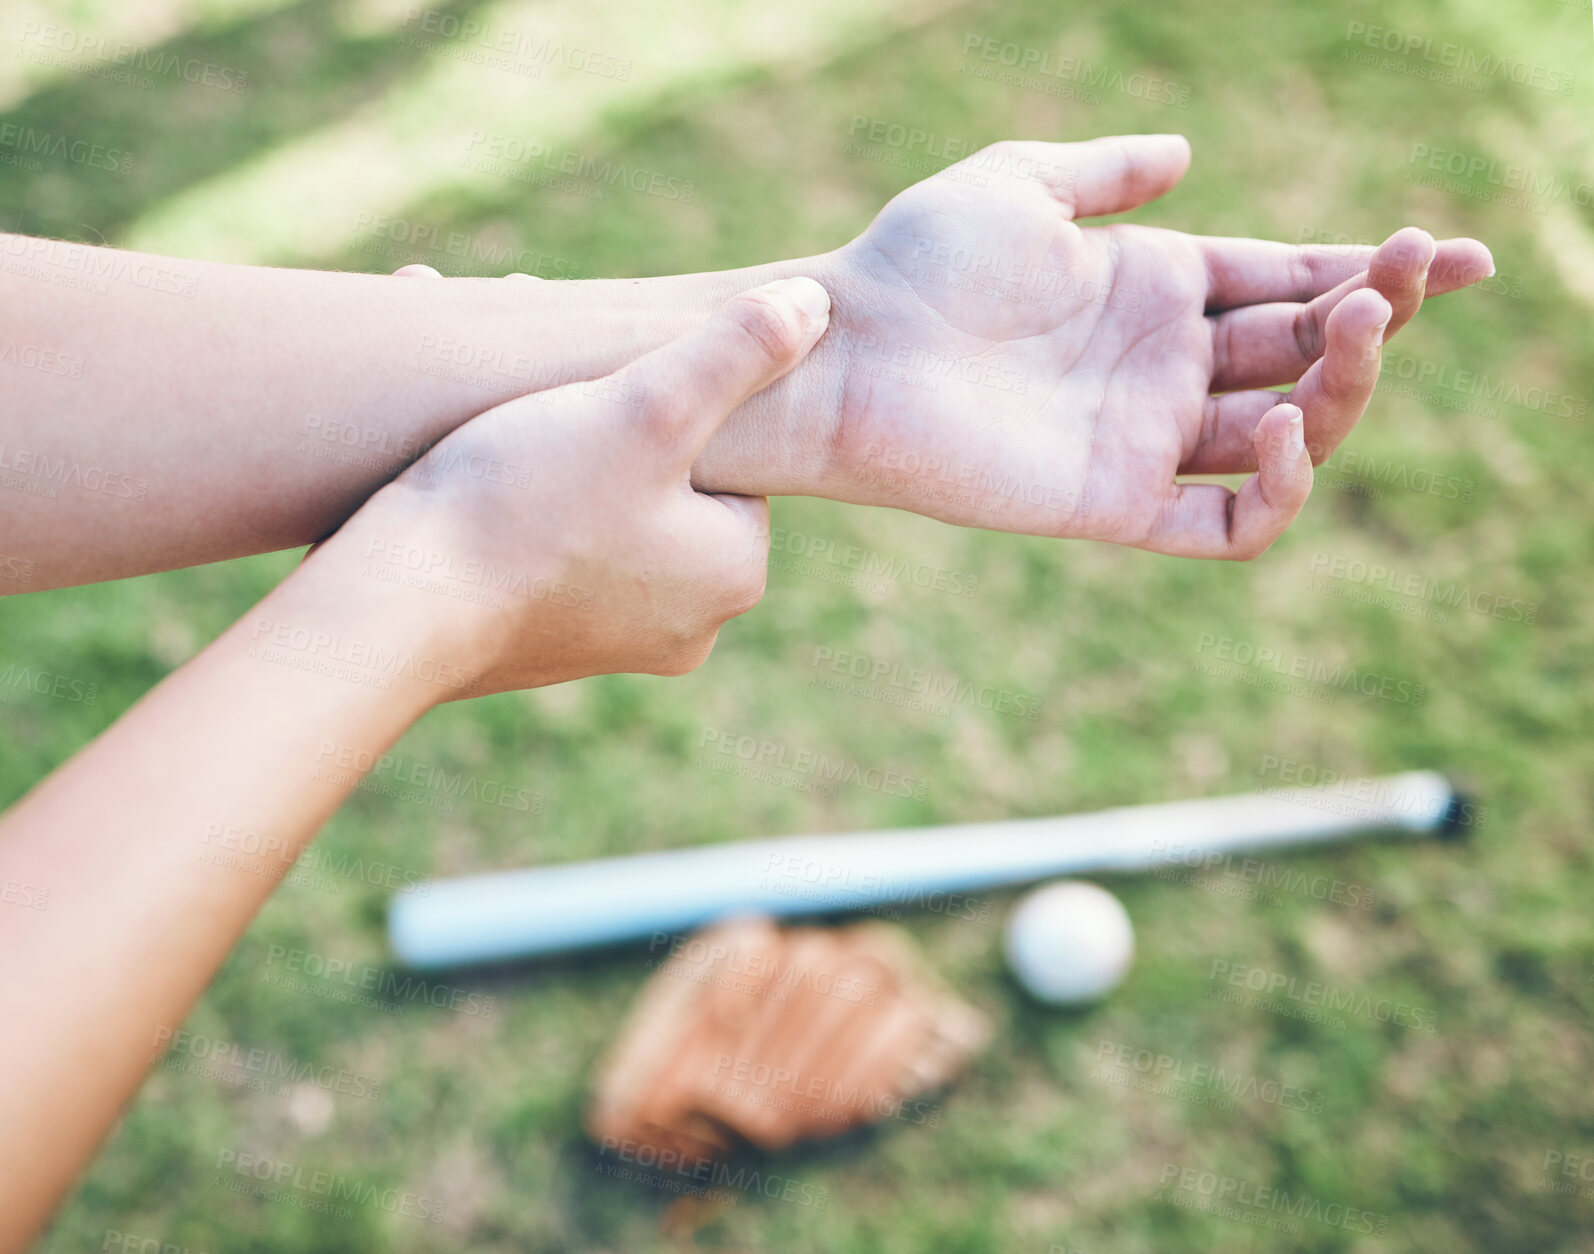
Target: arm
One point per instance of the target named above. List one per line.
(160, 430)
(137, 916)
(991, 364)
(626, 569)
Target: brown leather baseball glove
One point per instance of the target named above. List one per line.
(748, 1032)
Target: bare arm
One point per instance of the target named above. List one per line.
(143, 429)
(139, 901)
(991, 363)
(611, 564)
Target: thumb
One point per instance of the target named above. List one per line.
(1121, 172)
(690, 385)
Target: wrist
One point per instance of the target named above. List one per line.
(781, 441)
(778, 442)
(344, 618)
(510, 337)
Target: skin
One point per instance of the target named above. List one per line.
(988, 362)
(145, 901)
(242, 453)
(1117, 398)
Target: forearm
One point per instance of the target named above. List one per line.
(163, 413)
(129, 889)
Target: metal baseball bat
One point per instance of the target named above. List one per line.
(518, 914)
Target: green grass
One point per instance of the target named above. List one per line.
(1440, 1136)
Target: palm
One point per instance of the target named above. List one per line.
(1013, 370)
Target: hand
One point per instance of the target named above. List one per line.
(558, 536)
(994, 364)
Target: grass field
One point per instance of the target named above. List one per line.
(1462, 1122)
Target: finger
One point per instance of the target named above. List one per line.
(734, 545)
(1121, 172)
(1207, 520)
(690, 385)
(1258, 346)
(1333, 393)
(1399, 273)
(1097, 176)
(1254, 271)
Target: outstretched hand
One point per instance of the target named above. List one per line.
(995, 364)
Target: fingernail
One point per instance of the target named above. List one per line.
(1433, 252)
(1297, 437)
(810, 299)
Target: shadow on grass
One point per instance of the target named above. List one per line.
(111, 141)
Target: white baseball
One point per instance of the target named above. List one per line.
(1069, 942)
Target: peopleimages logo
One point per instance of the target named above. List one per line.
(362, 983)
(22, 894)
(1243, 1199)
(759, 969)
(1258, 873)
(30, 144)
(1034, 68)
(321, 1190)
(1326, 789)
(872, 565)
(799, 874)
(454, 785)
(485, 148)
(1445, 379)
(1536, 186)
(1163, 1073)
(14, 678)
(758, 1083)
(677, 1169)
(1329, 677)
(910, 138)
(769, 760)
(1472, 67)
(1424, 587)
(72, 49)
(1315, 994)
(876, 674)
(253, 1066)
(90, 269)
(507, 46)
(477, 250)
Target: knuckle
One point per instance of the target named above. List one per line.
(1019, 161)
(687, 655)
(1308, 331)
(1223, 356)
(1403, 259)
(667, 409)
(745, 589)
(767, 325)
(1003, 148)
(1339, 390)
(1304, 266)
(1250, 549)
